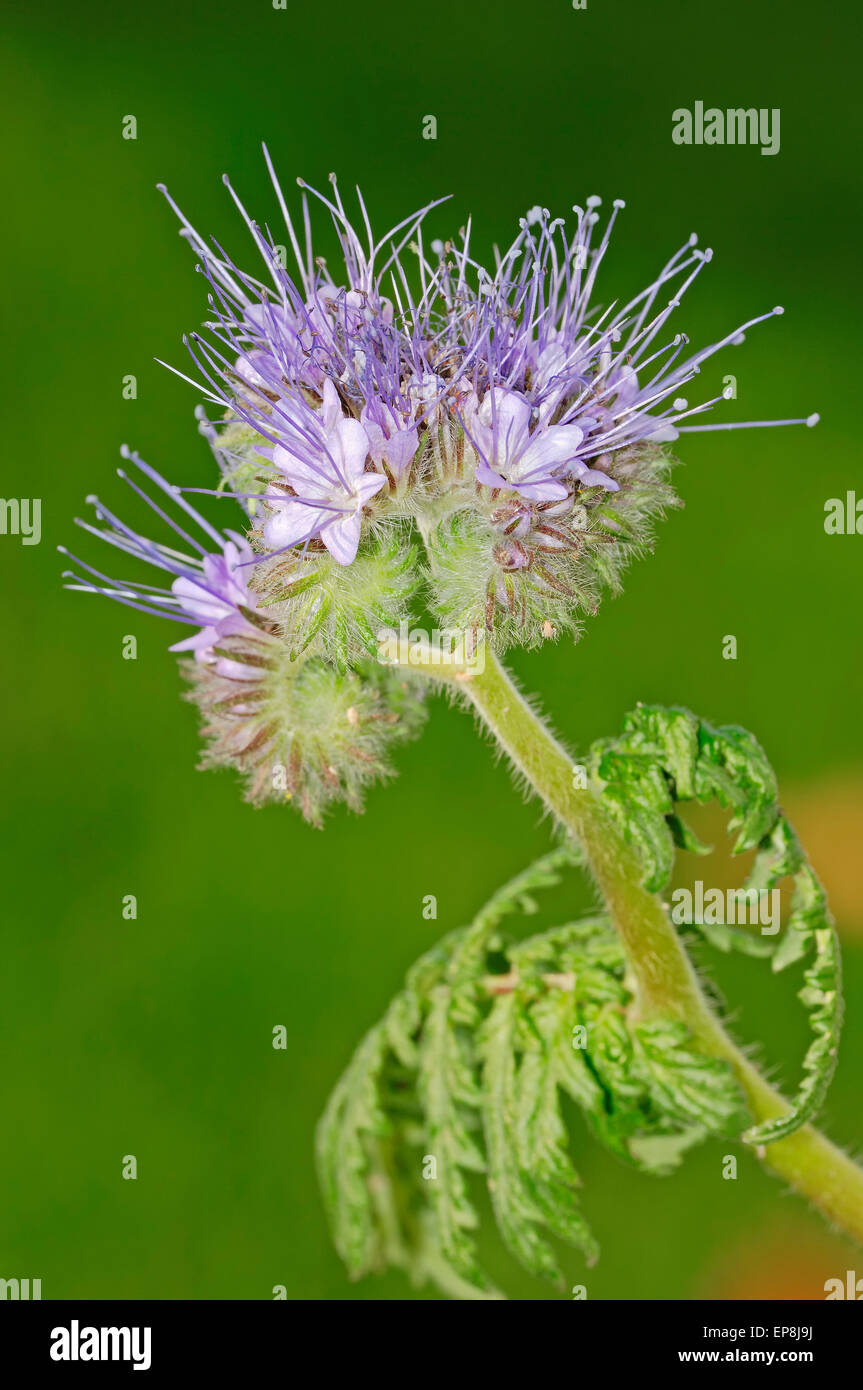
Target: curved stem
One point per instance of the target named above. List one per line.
(666, 983)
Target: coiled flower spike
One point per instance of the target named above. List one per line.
(299, 729)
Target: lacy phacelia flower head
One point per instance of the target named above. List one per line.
(416, 434)
(300, 728)
(518, 427)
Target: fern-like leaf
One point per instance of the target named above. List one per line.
(667, 756)
(463, 1080)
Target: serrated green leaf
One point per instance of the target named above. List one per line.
(517, 1214)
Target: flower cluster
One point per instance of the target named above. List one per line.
(418, 435)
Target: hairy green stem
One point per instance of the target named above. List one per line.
(666, 983)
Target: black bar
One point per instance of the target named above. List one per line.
(224, 1338)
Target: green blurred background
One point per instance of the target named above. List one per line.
(153, 1037)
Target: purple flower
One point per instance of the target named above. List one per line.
(393, 441)
(210, 588)
(214, 598)
(325, 467)
(530, 463)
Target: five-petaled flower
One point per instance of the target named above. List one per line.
(325, 466)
